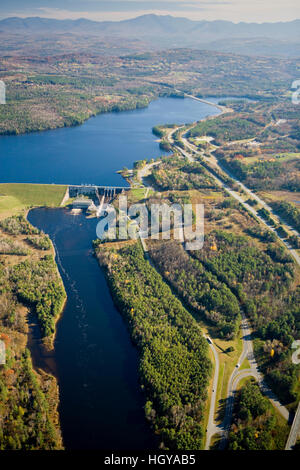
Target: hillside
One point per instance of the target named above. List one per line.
(166, 31)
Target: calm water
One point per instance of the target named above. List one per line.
(93, 152)
(101, 403)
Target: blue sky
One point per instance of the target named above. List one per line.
(233, 10)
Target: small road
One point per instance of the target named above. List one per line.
(247, 352)
(295, 431)
(145, 171)
(239, 198)
(238, 374)
(212, 428)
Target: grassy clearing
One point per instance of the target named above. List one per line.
(18, 196)
(271, 196)
(283, 157)
(208, 401)
(244, 381)
(139, 194)
(228, 361)
(245, 364)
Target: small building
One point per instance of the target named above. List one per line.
(82, 203)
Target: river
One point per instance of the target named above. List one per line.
(101, 402)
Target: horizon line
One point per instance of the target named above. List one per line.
(147, 15)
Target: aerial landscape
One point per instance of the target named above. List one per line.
(149, 228)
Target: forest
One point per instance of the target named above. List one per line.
(26, 422)
(174, 366)
(36, 283)
(200, 289)
(226, 128)
(255, 424)
(288, 212)
(29, 285)
(263, 284)
(177, 174)
(229, 274)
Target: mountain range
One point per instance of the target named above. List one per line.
(167, 31)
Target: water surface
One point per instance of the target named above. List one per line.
(93, 152)
(101, 403)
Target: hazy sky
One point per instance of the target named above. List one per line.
(233, 10)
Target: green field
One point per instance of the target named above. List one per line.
(18, 196)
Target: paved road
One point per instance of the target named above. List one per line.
(295, 431)
(239, 374)
(239, 198)
(145, 171)
(212, 428)
(247, 352)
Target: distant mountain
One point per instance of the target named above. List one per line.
(167, 31)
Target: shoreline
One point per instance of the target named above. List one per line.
(130, 108)
(42, 350)
(48, 342)
(66, 126)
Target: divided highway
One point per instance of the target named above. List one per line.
(223, 429)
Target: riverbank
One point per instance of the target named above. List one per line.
(21, 330)
(174, 367)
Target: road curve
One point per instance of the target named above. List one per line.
(247, 352)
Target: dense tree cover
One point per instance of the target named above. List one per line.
(227, 128)
(26, 422)
(174, 366)
(263, 283)
(265, 214)
(230, 272)
(165, 145)
(255, 426)
(249, 272)
(201, 289)
(37, 283)
(294, 240)
(262, 174)
(178, 174)
(18, 225)
(28, 399)
(41, 243)
(288, 212)
(264, 235)
(76, 82)
(41, 106)
(158, 131)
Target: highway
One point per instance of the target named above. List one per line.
(247, 352)
(239, 198)
(239, 374)
(212, 428)
(294, 433)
